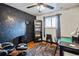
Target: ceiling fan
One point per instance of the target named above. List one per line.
(41, 5)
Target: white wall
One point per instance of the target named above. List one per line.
(69, 20)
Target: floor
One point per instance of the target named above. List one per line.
(69, 54)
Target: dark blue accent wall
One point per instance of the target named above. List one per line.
(13, 23)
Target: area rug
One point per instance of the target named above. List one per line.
(42, 50)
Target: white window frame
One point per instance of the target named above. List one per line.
(55, 25)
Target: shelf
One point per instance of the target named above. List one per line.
(38, 29)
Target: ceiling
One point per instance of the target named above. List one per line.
(34, 11)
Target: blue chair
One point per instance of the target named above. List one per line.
(9, 47)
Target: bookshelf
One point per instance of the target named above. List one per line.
(38, 30)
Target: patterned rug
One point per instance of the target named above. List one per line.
(42, 49)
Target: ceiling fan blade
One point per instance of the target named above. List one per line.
(50, 7)
(31, 6)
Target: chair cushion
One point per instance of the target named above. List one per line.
(9, 48)
(22, 46)
(3, 53)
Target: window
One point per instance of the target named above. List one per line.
(50, 22)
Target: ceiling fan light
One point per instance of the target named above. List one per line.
(40, 7)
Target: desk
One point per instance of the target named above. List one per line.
(69, 47)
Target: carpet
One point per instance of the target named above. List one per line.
(42, 49)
